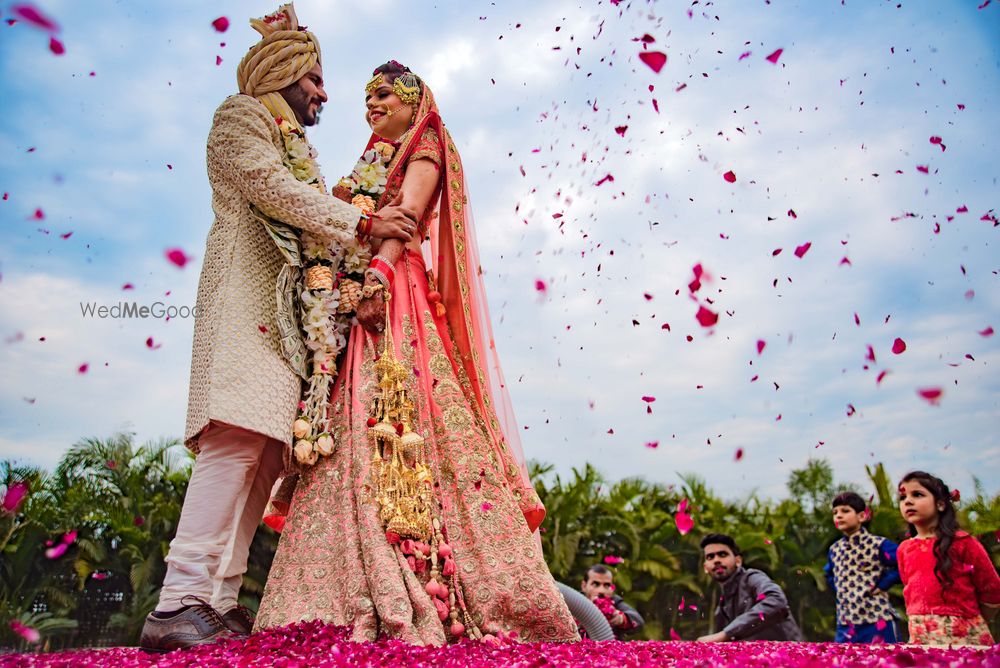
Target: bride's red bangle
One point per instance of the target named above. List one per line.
(382, 267)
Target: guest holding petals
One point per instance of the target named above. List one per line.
(949, 582)
(598, 585)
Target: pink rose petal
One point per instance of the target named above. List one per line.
(683, 522)
(83, 368)
(898, 346)
(56, 47)
(654, 59)
(13, 497)
(931, 395)
(29, 634)
(761, 344)
(803, 249)
(177, 257)
(705, 317)
(730, 176)
(773, 58)
(986, 332)
(35, 17)
(57, 551)
(221, 24)
(652, 445)
(739, 454)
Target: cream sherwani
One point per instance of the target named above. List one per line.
(243, 395)
(238, 373)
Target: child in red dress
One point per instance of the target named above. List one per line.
(948, 578)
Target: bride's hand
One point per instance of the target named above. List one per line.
(371, 312)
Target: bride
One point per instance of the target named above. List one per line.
(421, 531)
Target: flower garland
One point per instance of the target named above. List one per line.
(328, 293)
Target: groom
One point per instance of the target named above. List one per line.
(243, 395)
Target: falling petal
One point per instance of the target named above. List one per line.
(57, 551)
(683, 522)
(621, 130)
(13, 497)
(674, 635)
(56, 47)
(803, 249)
(705, 317)
(881, 376)
(177, 257)
(652, 445)
(29, 634)
(654, 59)
(898, 346)
(986, 332)
(761, 344)
(730, 176)
(83, 368)
(35, 17)
(221, 24)
(739, 454)
(773, 58)
(487, 506)
(931, 395)
(151, 345)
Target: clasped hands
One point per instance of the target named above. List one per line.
(394, 221)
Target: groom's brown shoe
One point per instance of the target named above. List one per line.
(239, 620)
(193, 625)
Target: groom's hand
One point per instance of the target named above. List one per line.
(394, 221)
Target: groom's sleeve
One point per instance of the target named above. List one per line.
(242, 151)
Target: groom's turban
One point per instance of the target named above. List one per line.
(281, 58)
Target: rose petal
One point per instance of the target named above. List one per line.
(803, 249)
(221, 24)
(773, 57)
(29, 634)
(761, 344)
(14, 495)
(177, 257)
(683, 522)
(652, 445)
(730, 176)
(56, 47)
(35, 17)
(654, 59)
(705, 317)
(739, 454)
(986, 332)
(898, 346)
(931, 395)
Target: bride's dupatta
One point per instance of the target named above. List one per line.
(455, 267)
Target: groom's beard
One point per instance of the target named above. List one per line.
(299, 102)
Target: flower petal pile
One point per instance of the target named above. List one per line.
(315, 644)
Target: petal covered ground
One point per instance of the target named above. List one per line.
(314, 644)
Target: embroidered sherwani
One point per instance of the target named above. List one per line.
(239, 375)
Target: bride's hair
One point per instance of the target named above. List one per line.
(392, 70)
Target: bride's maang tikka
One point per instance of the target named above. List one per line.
(406, 86)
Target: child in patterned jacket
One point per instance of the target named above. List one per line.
(861, 567)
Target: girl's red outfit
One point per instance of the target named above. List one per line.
(948, 614)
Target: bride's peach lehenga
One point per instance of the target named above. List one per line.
(334, 561)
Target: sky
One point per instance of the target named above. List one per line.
(839, 195)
